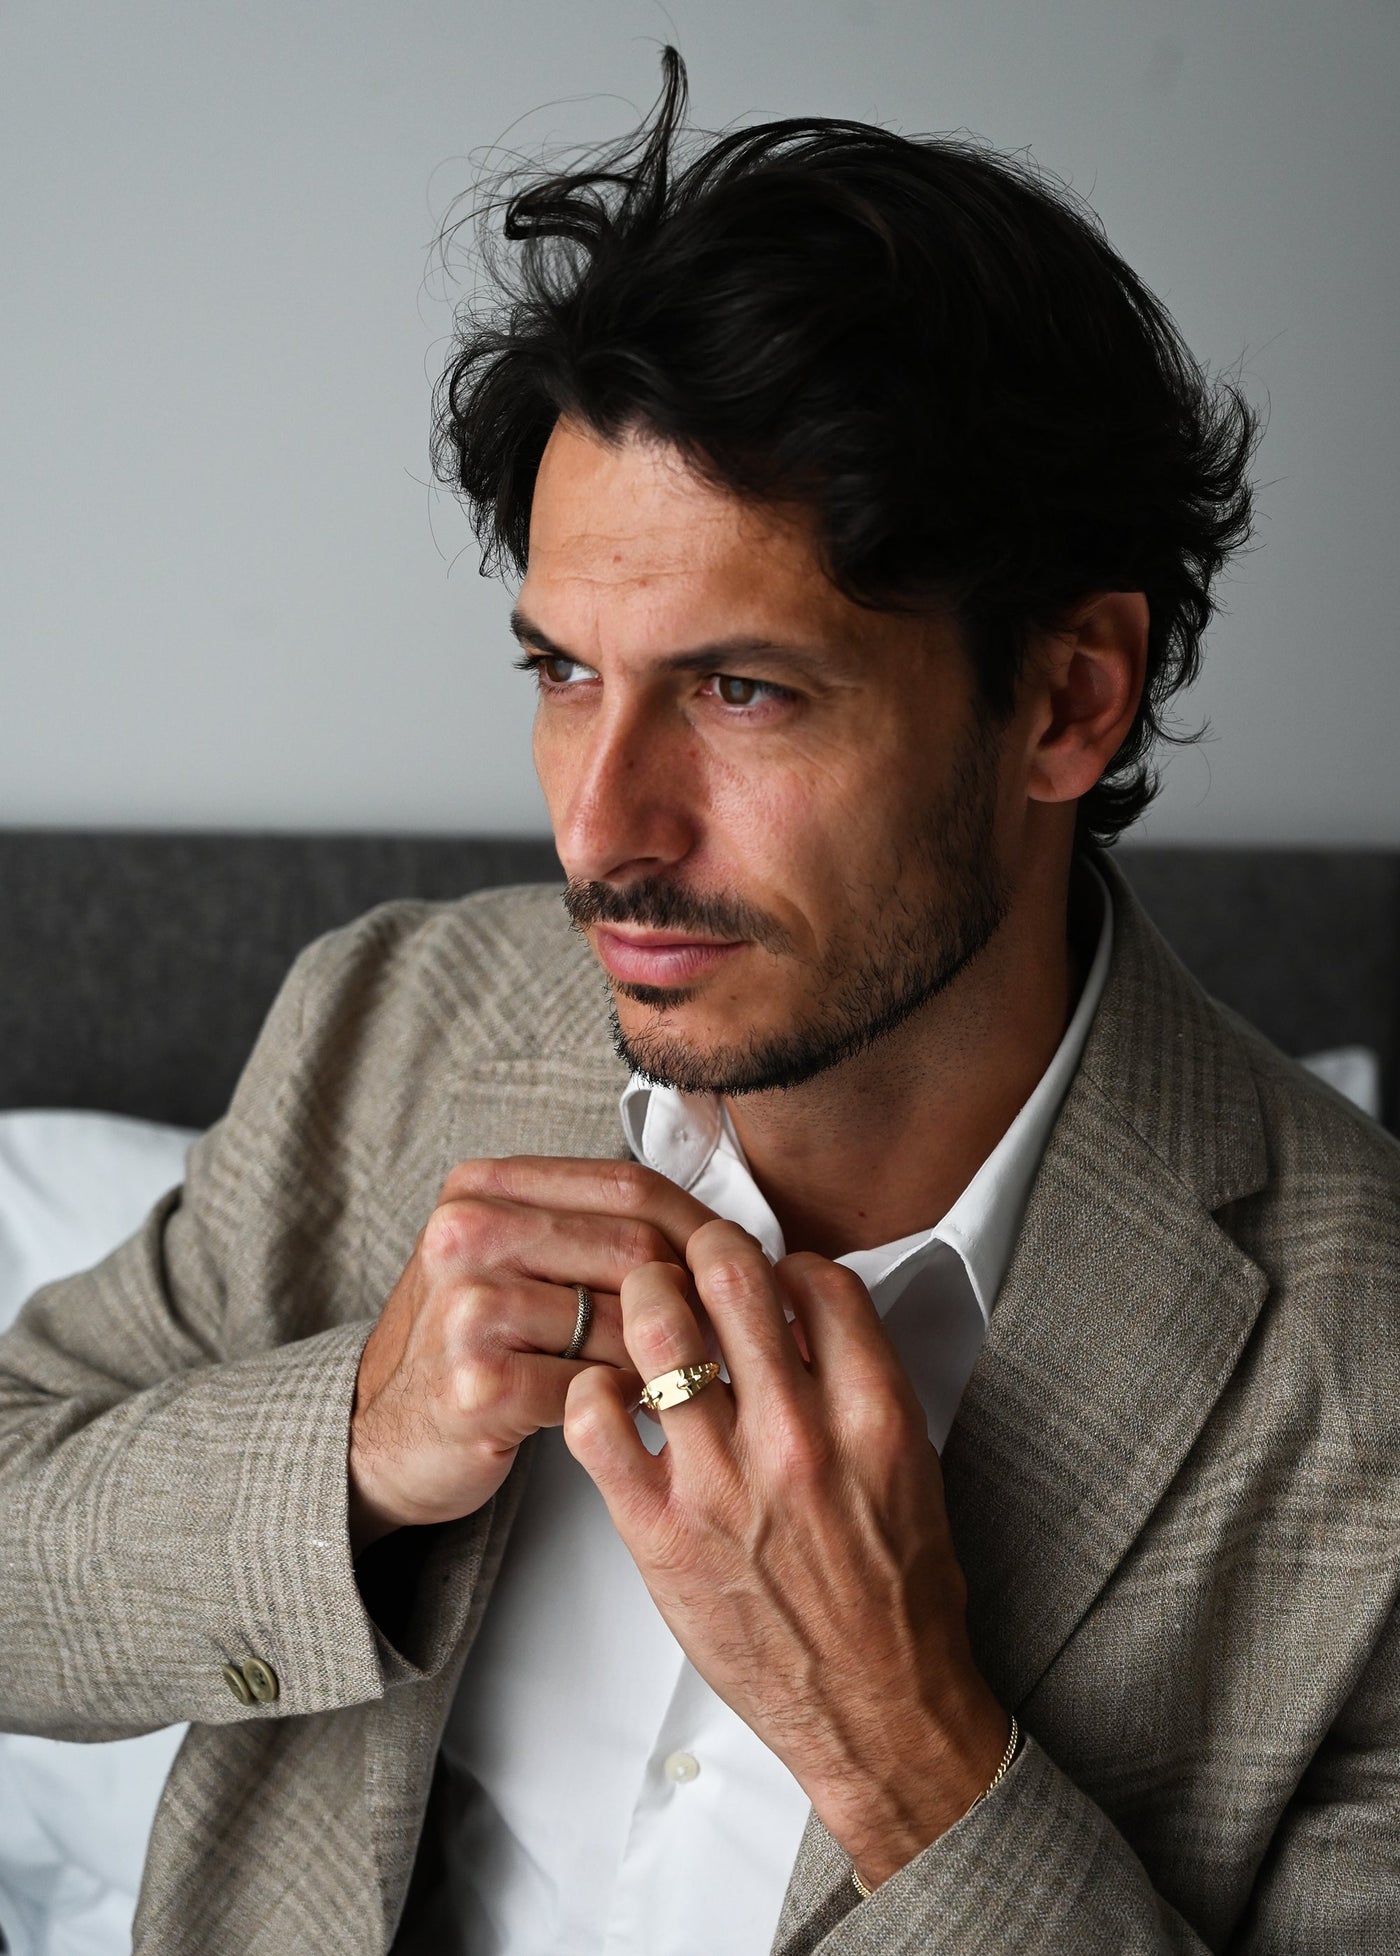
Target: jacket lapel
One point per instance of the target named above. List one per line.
(1124, 1311)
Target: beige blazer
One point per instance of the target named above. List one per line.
(1174, 1480)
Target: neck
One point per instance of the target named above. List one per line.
(884, 1144)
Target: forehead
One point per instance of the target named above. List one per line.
(628, 542)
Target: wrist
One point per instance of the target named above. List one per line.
(936, 1776)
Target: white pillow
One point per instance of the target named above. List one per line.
(1354, 1071)
(75, 1819)
(73, 1186)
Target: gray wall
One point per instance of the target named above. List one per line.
(228, 594)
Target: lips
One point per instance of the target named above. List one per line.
(659, 957)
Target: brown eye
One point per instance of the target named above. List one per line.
(736, 692)
(557, 669)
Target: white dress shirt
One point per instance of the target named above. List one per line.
(603, 1801)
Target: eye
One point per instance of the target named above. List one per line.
(733, 690)
(553, 669)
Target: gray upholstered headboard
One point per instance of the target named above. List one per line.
(137, 967)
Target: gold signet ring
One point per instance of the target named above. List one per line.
(674, 1388)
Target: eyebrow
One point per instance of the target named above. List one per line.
(699, 658)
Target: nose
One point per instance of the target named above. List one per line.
(620, 794)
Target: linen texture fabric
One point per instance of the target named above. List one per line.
(1172, 1479)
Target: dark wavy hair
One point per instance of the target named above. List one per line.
(927, 344)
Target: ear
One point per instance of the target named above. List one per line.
(1084, 683)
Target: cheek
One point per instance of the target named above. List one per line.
(795, 842)
(543, 752)
(763, 821)
(561, 757)
(748, 806)
(826, 821)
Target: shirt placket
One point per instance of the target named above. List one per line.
(711, 1794)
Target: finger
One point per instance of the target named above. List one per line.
(843, 1331)
(527, 1316)
(601, 1434)
(516, 1394)
(663, 1335)
(610, 1188)
(481, 1237)
(745, 1305)
(869, 1402)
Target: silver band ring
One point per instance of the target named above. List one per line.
(675, 1387)
(585, 1318)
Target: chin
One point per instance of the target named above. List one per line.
(759, 1060)
(674, 1048)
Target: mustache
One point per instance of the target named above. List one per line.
(656, 904)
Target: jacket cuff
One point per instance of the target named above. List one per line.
(347, 1632)
(1035, 1867)
(417, 1586)
(213, 1507)
(289, 1596)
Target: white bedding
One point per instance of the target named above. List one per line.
(74, 1819)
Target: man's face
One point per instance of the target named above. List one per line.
(779, 813)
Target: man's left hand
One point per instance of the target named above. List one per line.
(793, 1535)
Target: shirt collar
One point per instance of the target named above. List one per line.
(690, 1138)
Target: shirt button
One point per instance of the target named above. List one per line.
(681, 1766)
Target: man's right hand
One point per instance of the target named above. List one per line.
(463, 1364)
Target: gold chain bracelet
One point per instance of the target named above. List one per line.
(993, 1783)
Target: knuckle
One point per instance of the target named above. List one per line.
(834, 1280)
(584, 1424)
(469, 1178)
(799, 1453)
(451, 1237)
(730, 1277)
(480, 1389)
(882, 1425)
(727, 1255)
(628, 1184)
(639, 1243)
(654, 1337)
(475, 1317)
(821, 1277)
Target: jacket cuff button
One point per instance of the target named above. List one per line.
(234, 1679)
(260, 1679)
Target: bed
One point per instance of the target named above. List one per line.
(137, 970)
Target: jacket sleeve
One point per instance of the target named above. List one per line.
(1040, 1868)
(174, 1424)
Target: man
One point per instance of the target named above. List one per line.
(868, 508)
